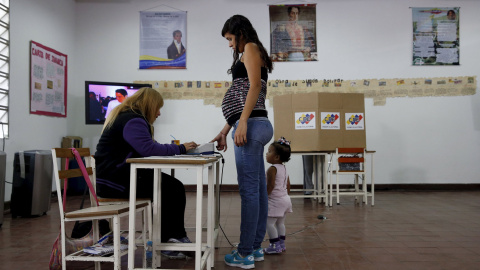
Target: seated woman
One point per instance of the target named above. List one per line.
(128, 133)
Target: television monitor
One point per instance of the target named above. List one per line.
(106, 93)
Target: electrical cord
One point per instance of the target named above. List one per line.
(219, 199)
(323, 218)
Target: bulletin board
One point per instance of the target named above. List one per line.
(48, 81)
(436, 39)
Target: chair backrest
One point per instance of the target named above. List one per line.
(350, 156)
(62, 174)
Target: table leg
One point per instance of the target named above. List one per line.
(372, 186)
(211, 218)
(157, 217)
(217, 202)
(330, 173)
(198, 223)
(131, 220)
(316, 186)
(324, 188)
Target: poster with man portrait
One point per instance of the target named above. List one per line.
(436, 36)
(163, 40)
(293, 33)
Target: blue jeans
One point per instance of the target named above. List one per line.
(252, 184)
(308, 171)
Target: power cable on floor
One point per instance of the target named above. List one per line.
(219, 199)
(323, 218)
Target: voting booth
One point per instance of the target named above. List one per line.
(320, 121)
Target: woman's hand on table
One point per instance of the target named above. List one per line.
(190, 145)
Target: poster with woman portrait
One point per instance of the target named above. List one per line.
(293, 33)
(163, 40)
(436, 36)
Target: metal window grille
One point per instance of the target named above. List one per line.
(4, 66)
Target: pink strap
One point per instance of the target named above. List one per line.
(85, 174)
(65, 185)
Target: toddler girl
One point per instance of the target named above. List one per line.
(278, 186)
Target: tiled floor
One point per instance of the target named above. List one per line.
(404, 230)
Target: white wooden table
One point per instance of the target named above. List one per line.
(319, 179)
(177, 162)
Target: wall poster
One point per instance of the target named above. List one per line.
(163, 39)
(48, 81)
(293, 33)
(436, 36)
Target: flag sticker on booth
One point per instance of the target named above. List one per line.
(305, 120)
(354, 121)
(330, 120)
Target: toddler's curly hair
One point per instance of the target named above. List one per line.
(282, 148)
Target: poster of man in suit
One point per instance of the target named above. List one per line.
(176, 49)
(163, 40)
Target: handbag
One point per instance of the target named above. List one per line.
(73, 244)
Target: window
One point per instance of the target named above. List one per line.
(4, 65)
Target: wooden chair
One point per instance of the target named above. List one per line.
(93, 213)
(147, 217)
(349, 161)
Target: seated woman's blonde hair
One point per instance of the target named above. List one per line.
(145, 102)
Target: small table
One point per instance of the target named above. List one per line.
(199, 163)
(371, 153)
(320, 185)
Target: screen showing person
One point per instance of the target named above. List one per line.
(120, 96)
(96, 109)
(176, 49)
(99, 94)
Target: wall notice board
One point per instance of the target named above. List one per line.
(48, 81)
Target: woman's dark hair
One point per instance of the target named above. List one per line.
(283, 150)
(240, 27)
(290, 9)
(122, 91)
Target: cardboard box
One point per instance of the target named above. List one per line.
(320, 121)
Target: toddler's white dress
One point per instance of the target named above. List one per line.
(279, 202)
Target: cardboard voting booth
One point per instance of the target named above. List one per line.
(320, 121)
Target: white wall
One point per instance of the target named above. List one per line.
(418, 140)
(51, 23)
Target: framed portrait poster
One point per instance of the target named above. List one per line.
(163, 40)
(293, 33)
(48, 81)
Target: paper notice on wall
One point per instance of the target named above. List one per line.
(378, 90)
(48, 81)
(305, 120)
(354, 121)
(330, 120)
(436, 39)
